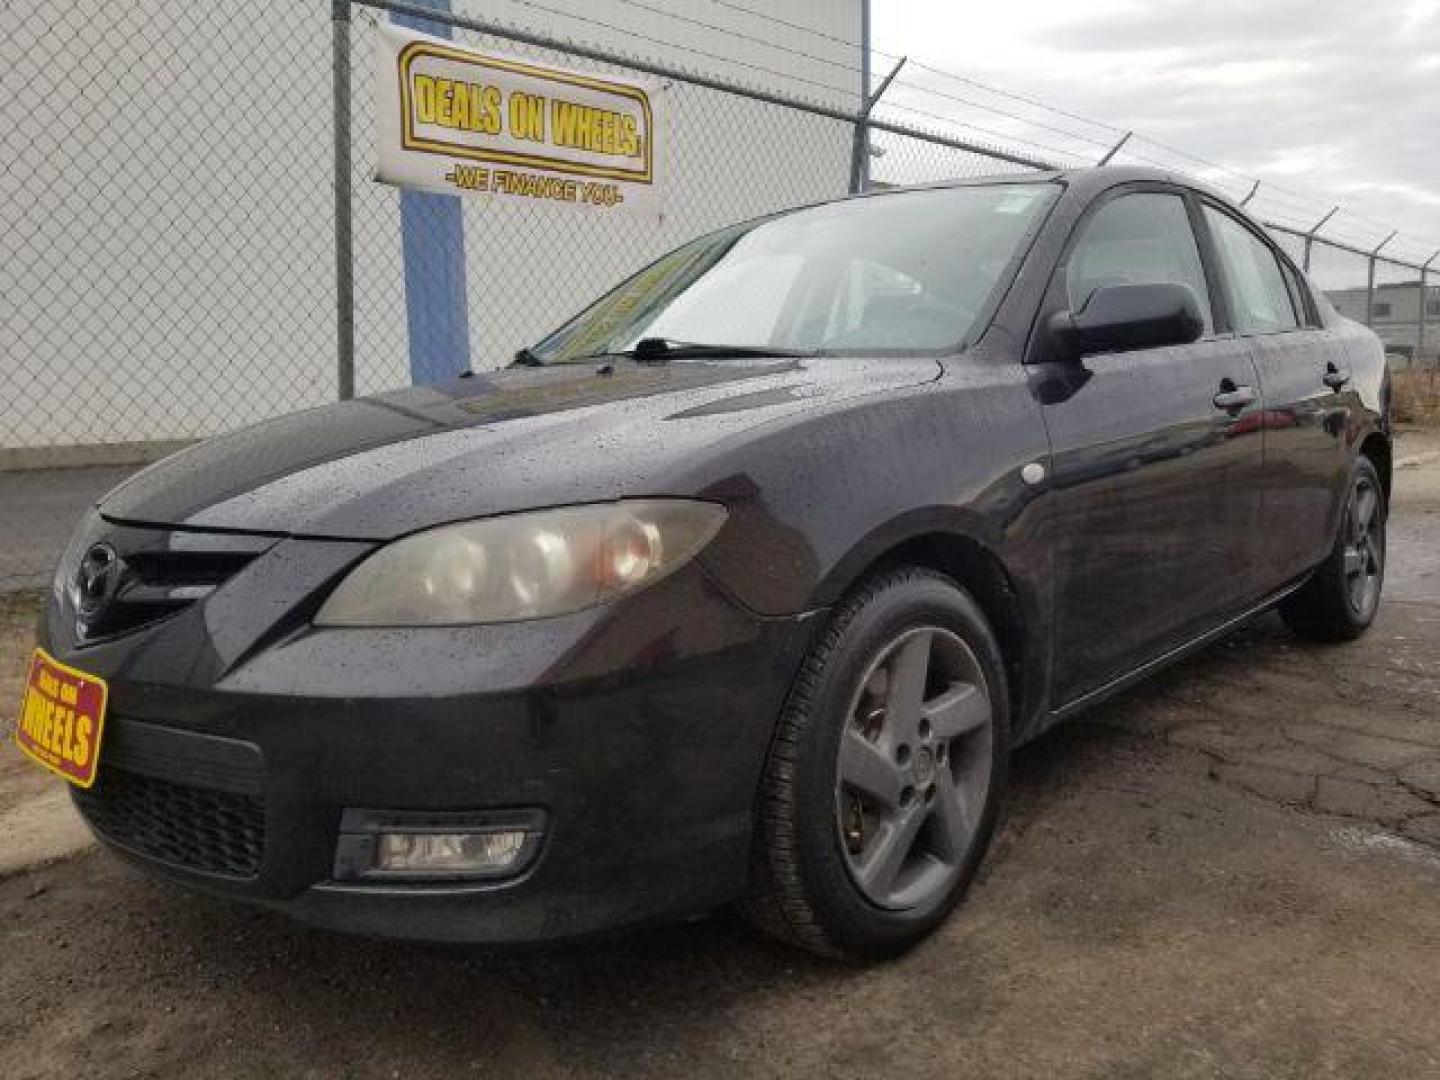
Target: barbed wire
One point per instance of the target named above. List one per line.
(951, 121)
(1113, 129)
(911, 85)
(1287, 208)
(1299, 202)
(664, 43)
(854, 69)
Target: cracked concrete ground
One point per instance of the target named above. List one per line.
(1354, 740)
(1347, 731)
(1232, 870)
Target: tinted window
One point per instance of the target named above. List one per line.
(892, 272)
(1299, 294)
(1259, 299)
(1141, 239)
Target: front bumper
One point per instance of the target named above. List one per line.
(639, 730)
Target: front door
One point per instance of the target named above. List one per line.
(1156, 459)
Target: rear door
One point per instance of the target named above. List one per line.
(1157, 457)
(1305, 379)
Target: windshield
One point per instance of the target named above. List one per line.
(894, 273)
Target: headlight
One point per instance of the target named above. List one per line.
(62, 585)
(523, 566)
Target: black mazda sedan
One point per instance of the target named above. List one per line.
(739, 587)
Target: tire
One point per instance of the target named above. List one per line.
(1340, 600)
(829, 875)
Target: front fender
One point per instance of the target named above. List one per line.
(818, 502)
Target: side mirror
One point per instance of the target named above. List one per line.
(1119, 318)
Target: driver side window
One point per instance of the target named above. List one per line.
(1139, 239)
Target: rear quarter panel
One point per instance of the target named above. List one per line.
(1370, 376)
(1369, 411)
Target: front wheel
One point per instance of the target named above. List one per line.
(884, 782)
(1342, 597)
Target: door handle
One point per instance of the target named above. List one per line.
(1335, 377)
(1233, 398)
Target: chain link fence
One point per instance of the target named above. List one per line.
(165, 221)
(525, 269)
(796, 151)
(191, 239)
(1391, 295)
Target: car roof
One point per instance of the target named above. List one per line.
(1084, 182)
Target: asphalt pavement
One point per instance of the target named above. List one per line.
(38, 510)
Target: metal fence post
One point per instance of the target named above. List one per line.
(860, 150)
(1370, 290)
(1370, 281)
(1310, 236)
(344, 239)
(1424, 301)
(1109, 154)
(1420, 318)
(860, 139)
(1424, 307)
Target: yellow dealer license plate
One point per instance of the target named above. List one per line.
(62, 719)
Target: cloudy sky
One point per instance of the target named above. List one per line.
(1324, 100)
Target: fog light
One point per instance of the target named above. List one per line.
(451, 852)
(412, 845)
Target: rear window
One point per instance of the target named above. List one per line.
(1260, 301)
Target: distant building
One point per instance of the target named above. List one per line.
(1396, 316)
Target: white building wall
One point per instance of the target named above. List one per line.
(166, 259)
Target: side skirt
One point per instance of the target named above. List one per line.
(1165, 659)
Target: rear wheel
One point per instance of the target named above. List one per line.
(1341, 599)
(883, 786)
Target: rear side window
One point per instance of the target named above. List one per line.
(1139, 239)
(1259, 297)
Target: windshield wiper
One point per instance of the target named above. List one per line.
(654, 350)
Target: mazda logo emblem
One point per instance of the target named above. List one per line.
(97, 580)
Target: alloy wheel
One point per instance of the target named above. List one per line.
(913, 770)
(1363, 556)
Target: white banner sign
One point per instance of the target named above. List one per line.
(463, 122)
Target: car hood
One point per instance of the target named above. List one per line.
(382, 466)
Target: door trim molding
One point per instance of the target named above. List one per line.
(1171, 656)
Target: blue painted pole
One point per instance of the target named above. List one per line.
(432, 231)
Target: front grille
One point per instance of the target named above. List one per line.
(216, 832)
(119, 578)
(158, 583)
